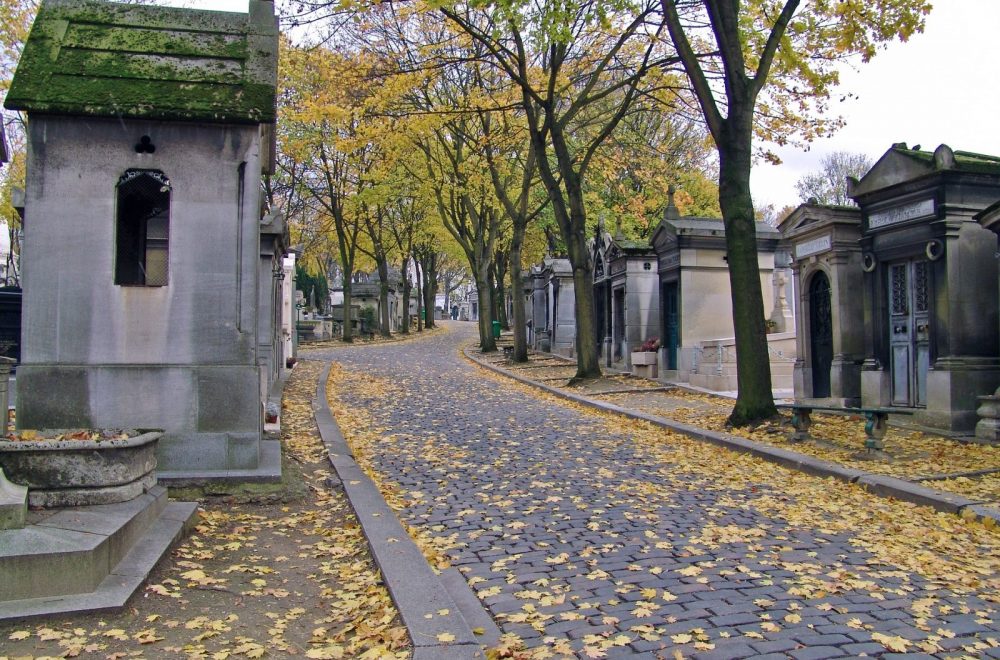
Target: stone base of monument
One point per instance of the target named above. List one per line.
(81, 472)
(13, 504)
(87, 558)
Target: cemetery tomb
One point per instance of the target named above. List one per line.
(930, 284)
(149, 298)
(829, 314)
(696, 320)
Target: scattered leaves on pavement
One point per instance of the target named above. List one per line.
(252, 581)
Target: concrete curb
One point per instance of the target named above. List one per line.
(880, 485)
(420, 595)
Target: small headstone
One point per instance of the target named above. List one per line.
(13, 504)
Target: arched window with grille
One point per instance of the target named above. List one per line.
(142, 228)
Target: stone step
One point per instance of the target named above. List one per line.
(86, 558)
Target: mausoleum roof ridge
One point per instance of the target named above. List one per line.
(100, 58)
(630, 244)
(968, 161)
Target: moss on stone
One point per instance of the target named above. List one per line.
(103, 59)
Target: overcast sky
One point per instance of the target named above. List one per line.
(942, 86)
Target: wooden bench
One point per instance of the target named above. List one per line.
(876, 421)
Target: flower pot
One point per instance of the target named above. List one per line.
(644, 364)
(643, 358)
(81, 472)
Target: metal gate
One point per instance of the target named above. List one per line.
(820, 334)
(909, 332)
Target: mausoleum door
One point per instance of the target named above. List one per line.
(600, 312)
(820, 334)
(672, 325)
(909, 332)
(618, 328)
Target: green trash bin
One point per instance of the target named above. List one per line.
(496, 329)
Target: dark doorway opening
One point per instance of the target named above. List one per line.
(820, 334)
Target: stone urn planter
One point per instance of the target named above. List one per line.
(81, 468)
(644, 360)
(644, 363)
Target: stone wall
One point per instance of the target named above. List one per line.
(182, 357)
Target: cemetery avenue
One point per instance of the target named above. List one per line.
(586, 534)
(457, 331)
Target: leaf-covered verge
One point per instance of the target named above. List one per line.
(291, 578)
(911, 455)
(914, 553)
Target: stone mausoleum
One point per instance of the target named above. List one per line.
(696, 317)
(143, 266)
(626, 296)
(930, 284)
(898, 297)
(826, 266)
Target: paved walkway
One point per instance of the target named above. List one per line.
(586, 533)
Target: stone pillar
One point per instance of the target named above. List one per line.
(5, 366)
(781, 313)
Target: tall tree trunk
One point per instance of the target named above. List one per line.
(430, 288)
(754, 400)
(588, 364)
(428, 309)
(520, 314)
(404, 327)
(570, 213)
(485, 294)
(383, 296)
(420, 295)
(447, 296)
(347, 332)
(499, 291)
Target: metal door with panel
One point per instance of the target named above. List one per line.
(909, 332)
(672, 322)
(820, 334)
(618, 327)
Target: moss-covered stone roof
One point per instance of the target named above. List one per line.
(627, 245)
(89, 57)
(963, 161)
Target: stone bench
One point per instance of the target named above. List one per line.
(876, 421)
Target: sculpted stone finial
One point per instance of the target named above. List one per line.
(671, 212)
(944, 158)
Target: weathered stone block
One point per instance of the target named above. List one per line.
(81, 472)
(13, 504)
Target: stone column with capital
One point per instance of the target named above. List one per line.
(781, 313)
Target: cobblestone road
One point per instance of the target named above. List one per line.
(588, 534)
